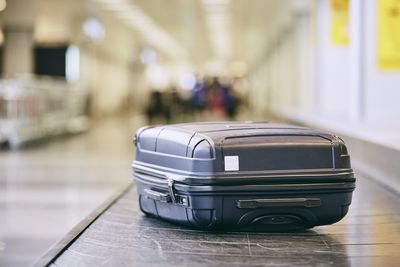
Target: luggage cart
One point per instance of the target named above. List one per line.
(33, 109)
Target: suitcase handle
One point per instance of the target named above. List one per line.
(278, 202)
(162, 197)
(166, 198)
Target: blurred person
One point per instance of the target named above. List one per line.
(199, 99)
(174, 104)
(230, 99)
(156, 107)
(221, 100)
(214, 97)
(216, 103)
(199, 96)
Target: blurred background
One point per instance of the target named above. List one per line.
(78, 78)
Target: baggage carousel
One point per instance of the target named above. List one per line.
(119, 234)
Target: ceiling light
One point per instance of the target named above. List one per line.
(148, 56)
(94, 30)
(218, 22)
(187, 81)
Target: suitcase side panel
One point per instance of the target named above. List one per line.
(280, 152)
(223, 210)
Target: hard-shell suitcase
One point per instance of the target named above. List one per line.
(243, 175)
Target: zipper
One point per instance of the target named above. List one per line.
(175, 189)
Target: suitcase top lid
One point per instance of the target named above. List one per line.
(239, 146)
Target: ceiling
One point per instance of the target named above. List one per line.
(185, 21)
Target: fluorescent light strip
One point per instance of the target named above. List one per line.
(218, 21)
(152, 33)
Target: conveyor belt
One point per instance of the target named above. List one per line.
(123, 236)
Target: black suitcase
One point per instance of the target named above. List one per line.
(242, 175)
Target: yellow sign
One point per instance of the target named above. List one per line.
(339, 22)
(388, 34)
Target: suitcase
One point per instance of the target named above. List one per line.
(242, 175)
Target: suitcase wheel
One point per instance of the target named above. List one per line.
(201, 217)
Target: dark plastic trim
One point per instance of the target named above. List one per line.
(278, 202)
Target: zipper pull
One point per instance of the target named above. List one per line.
(171, 189)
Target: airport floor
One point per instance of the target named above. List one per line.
(47, 190)
(49, 187)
